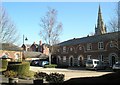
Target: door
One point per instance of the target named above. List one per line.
(71, 61)
(113, 60)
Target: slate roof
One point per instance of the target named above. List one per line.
(35, 55)
(9, 46)
(36, 45)
(91, 39)
(28, 45)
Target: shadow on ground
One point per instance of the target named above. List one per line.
(111, 78)
(83, 68)
(16, 84)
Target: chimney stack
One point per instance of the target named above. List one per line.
(40, 42)
(34, 43)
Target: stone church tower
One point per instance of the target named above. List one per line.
(100, 29)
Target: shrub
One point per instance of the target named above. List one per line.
(10, 74)
(21, 68)
(50, 66)
(4, 63)
(27, 75)
(55, 78)
(40, 75)
(62, 66)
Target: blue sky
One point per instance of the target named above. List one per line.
(78, 18)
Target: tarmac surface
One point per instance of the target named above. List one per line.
(72, 72)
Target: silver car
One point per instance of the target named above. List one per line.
(95, 64)
(116, 66)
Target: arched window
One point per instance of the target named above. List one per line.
(71, 49)
(80, 48)
(58, 59)
(71, 61)
(17, 56)
(80, 60)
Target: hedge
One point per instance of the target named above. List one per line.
(62, 66)
(21, 68)
(4, 63)
(50, 66)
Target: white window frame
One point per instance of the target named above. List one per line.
(112, 44)
(100, 45)
(80, 48)
(64, 49)
(101, 58)
(88, 57)
(58, 58)
(71, 49)
(64, 58)
(89, 46)
(58, 50)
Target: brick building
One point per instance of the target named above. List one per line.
(10, 51)
(102, 45)
(43, 48)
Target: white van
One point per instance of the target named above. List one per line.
(94, 64)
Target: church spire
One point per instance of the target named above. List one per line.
(99, 11)
(100, 24)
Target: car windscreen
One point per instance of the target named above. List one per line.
(96, 62)
(89, 62)
(118, 64)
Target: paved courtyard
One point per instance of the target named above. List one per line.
(71, 72)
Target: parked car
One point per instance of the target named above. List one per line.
(95, 64)
(35, 63)
(41, 63)
(44, 63)
(116, 66)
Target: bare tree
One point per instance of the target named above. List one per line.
(113, 23)
(8, 32)
(50, 29)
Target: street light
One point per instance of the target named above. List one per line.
(24, 39)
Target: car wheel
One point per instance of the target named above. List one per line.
(96, 69)
(114, 70)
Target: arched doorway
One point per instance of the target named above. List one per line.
(112, 59)
(80, 60)
(71, 61)
(58, 59)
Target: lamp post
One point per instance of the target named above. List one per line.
(24, 45)
(24, 39)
